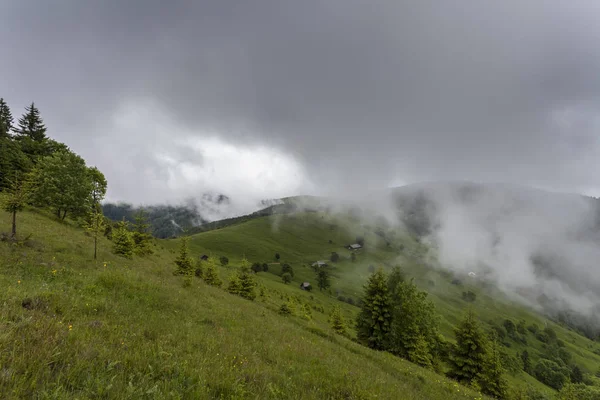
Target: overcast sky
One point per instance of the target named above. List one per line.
(259, 99)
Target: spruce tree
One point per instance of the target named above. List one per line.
(122, 241)
(468, 356)
(323, 278)
(337, 321)
(6, 119)
(140, 234)
(414, 319)
(373, 323)
(420, 352)
(31, 125)
(491, 379)
(234, 285)
(210, 274)
(184, 264)
(247, 281)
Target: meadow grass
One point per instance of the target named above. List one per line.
(75, 328)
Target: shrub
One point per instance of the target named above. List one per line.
(286, 309)
(256, 267)
(335, 257)
(286, 277)
(533, 328)
(224, 260)
(521, 327)
(469, 296)
(287, 268)
(265, 267)
(510, 327)
(277, 256)
(542, 337)
(550, 373)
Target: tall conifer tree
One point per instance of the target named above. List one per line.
(375, 318)
(468, 356)
(31, 125)
(6, 119)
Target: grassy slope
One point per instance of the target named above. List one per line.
(128, 329)
(304, 238)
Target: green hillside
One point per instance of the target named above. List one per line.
(303, 238)
(118, 328)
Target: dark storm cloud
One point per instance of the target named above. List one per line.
(419, 90)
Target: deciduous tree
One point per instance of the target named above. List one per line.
(17, 196)
(62, 182)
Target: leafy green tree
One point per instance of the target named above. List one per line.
(337, 321)
(491, 379)
(141, 237)
(210, 274)
(467, 358)
(12, 161)
(224, 260)
(122, 241)
(374, 321)
(6, 119)
(256, 267)
(183, 261)
(277, 256)
(335, 257)
(31, 125)
(576, 374)
(62, 182)
(287, 268)
(95, 226)
(551, 373)
(323, 279)
(17, 197)
(265, 267)
(286, 277)
(98, 185)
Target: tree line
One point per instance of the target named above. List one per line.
(39, 171)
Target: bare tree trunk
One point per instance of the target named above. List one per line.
(13, 233)
(64, 215)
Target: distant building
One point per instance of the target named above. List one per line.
(354, 246)
(306, 286)
(320, 263)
